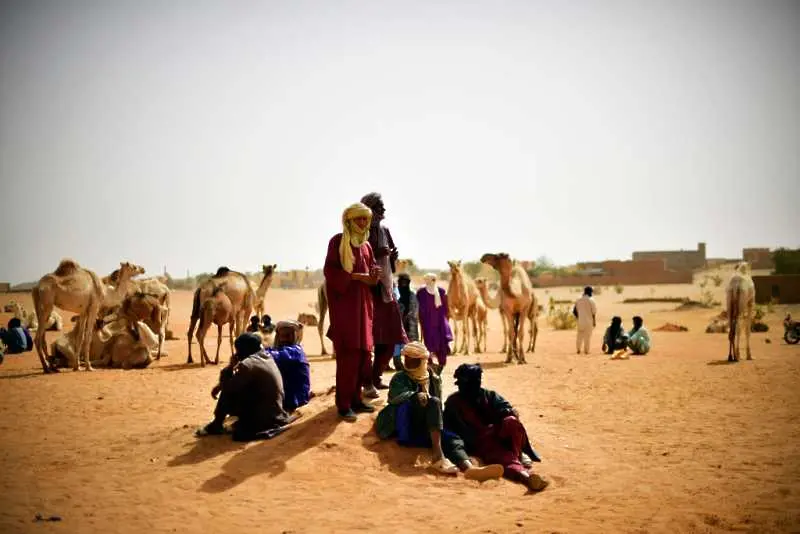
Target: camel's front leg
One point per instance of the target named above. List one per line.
(521, 340)
(504, 320)
(509, 340)
(230, 338)
(219, 343)
(748, 325)
(467, 336)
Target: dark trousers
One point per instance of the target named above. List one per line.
(352, 371)
(383, 355)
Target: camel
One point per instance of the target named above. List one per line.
(263, 287)
(216, 309)
(515, 301)
(740, 297)
(322, 309)
(236, 287)
(479, 325)
(155, 286)
(462, 296)
(307, 319)
(29, 320)
(75, 289)
(113, 345)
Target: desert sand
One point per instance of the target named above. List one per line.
(676, 441)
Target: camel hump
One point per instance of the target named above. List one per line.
(66, 267)
(222, 271)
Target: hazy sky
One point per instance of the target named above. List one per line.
(194, 134)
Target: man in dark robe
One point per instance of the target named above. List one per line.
(387, 326)
(482, 423)
(350, 272)
(250, 388)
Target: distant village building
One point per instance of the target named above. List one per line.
(758, 258)
(779, 288)
(5, 287)
(676, 260)
(614, 272)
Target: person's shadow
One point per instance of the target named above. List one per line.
(401, 460)
(270, 457)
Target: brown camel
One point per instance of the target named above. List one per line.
(740, 296)
(261, 291)
(479, 325)
(515, 301)
(216, 309)
(75, 289)
(462, 296)
(237, 289)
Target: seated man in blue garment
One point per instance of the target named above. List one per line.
(16, 338)
(414, 413)
(293, 364)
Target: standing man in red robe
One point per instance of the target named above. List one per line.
(350, 273)
(387, 329)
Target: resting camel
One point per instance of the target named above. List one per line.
(237, 289)
(75, 289)
(462, 296)
(216, 309)
(29, 320)
(740, 296)
(261, 291)
(155, 286)
(516, 296)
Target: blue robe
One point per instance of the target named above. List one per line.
(296, 375)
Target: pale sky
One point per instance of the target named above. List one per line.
(195, 134)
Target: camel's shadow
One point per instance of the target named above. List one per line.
(270, 457)
(721, 362)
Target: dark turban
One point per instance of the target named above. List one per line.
(468, 379)
(371, 200)
(246, 345)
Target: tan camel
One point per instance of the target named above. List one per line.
(29, 320)
(216, 309)
(322, 309)
(462, 296)
(479, 325)
(268, 272)
(482, 286)
(237, 288)
(740, 296)
(515, 300)
(75, 289)
(307, 319)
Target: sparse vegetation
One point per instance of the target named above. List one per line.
(707, 298)
(717, 279)
(561, 318)
(619, 289)
(787, 261)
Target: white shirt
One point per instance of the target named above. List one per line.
(587, 309)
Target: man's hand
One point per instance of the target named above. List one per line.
(382, 251)
(422, 398)
(215, 391)
(515, 413)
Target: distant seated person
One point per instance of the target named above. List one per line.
(266, 324)
(255, 324)
(639, 337)
(481, 423)
(250, 388)
(615, 337)
(16, 338)
(414, 412)
(293, 364)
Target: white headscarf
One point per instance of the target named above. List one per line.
(430, 287)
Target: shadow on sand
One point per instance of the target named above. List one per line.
(270, 457)
(401, 460)
(720, 362)
(206, 449)
(23, 375)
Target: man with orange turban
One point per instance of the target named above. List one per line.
(350, 272)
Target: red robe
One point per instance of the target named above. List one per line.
(349, 301)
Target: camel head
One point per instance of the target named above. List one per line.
(455, 267)
(480, 283)
(269, 270)
(743, 268)
(131, 269)
(12, 307)
(501, 262)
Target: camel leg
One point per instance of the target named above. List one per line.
(748, 325)
(201, 336)
(88, 334)
(219, 342)
(44, 307)
(731, 339)
(505, 332)
(521, 340)
(230, 338)
(509, 340)
(189, 334)
(535, 330)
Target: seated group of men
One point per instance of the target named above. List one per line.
(472, 422)
(261, 386)
(618, 342)
(15, 339)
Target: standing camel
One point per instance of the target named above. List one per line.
(462, 296)
(479, 324)
(740, 296)
(75, 289)
(261, 291)
(216, 309)
(492, 304)
(237, 289)
(515, 301)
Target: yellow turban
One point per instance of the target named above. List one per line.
(351, 235)
(418, 351)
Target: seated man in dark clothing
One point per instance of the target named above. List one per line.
(615, 337)
(250, 388)
(16, 338)
(480, 422)
(266, 325)
(293, 365)
(255, 324)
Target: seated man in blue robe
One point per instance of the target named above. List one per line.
(16, 338)
(293, 365)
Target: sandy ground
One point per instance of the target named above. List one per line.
(677, 441)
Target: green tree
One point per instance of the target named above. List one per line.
(787, 261)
